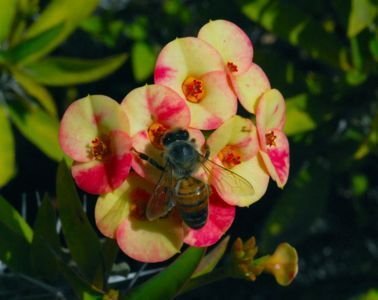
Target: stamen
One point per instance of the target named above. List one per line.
(98, 149)
(270, 139)
(155, 133)
(232, 67)
(230, 156)
(193, 89)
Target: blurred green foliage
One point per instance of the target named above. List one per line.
(322, 55)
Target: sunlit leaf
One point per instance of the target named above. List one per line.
(32, 48)
(45, 241)
(36, 90)
(38, 127)
(143, 59)
(211, 259)
(362, 14)
(168, 283)
(61, 71)
(80, 236)
(297, 118)
(15, 238)
(7, 150)
(7, 14)
(300, 204)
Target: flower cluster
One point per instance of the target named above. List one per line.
(198, 84)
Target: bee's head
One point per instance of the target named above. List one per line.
(175, 135)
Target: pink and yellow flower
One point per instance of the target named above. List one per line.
(94, 133)
(195, 70)
(235, 146)
(121, 215)
(248, 79)
(270, 121)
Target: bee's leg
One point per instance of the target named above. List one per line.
(149, 159)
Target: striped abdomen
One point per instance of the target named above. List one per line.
(192, 196)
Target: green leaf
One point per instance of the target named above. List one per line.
(7, 14)
(168, 283)
(38, 127)
(34, 47)
(143, 59)
(211, 259)
(45, 241)
(298, 120)
(7, 150)
(61, 71)
(362, 15)
(67, 12)
(15, 238)
(300, 204)
(81, 238)
(297, 27)
(109, 252)
(36, 90)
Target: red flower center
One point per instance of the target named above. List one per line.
(232, 67)
(230, 156)
(98, 149)
(270, 139)
(193, 89)
(155, 133)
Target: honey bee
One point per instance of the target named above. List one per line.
(178, 188)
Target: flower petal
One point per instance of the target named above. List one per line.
(276, 158)
(249, 86)
(151, 241)
(270, 112)
(236, 131)
(86, 119)
(218, 105)
(155, 103)
(113, 208)
(98, 177)
(231, 42)
(183, 57)
(221, 216)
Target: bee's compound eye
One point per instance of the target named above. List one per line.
(177, 135)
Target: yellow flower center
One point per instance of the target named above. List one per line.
(155, 133)
(98, 149)
(270, 139)
(193, 89)
(230, 156)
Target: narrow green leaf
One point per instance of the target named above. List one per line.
(34, 47)
(109, 252)
(61, 71)
(7, 14)
(15, 238)
(143, 59)
(7, 150)
(36, 90)
(45, 240)
(10, 218)
(298, 120)
(67, 12)
(297, 27)
(211, 259)
(81, 238)
(168, 283)
(62, 11)
(38, 127)
(300, 204)
(362, 15)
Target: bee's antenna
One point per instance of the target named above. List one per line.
(145, 157)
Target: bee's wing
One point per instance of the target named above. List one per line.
(161, 202)
(228, 182)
